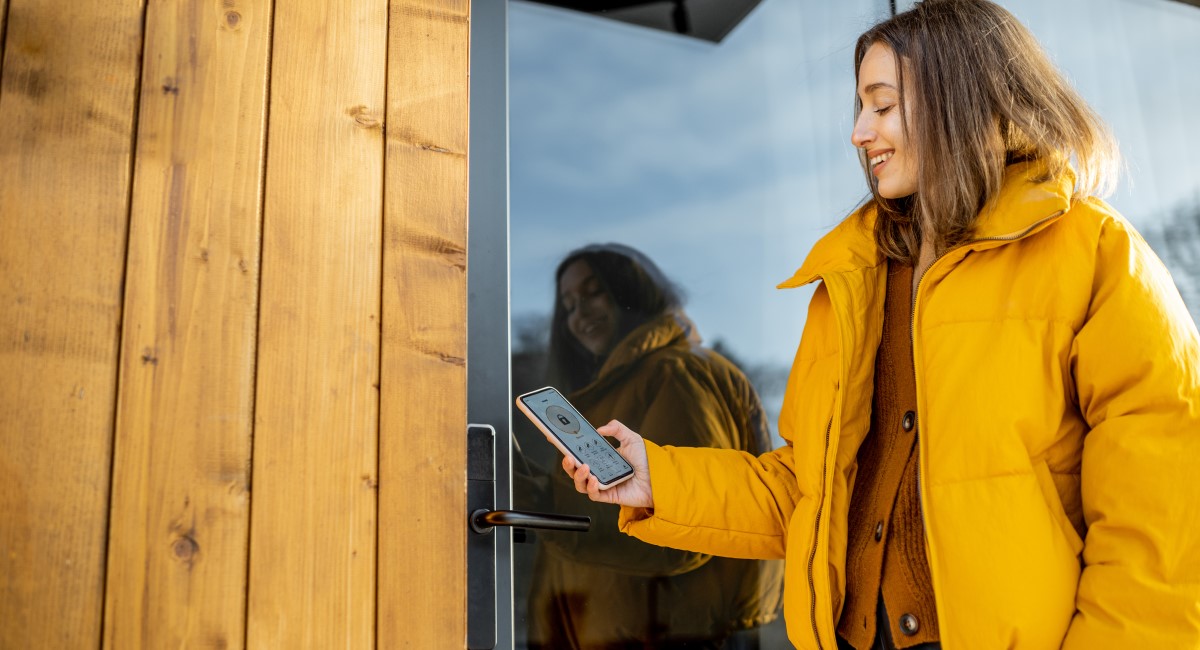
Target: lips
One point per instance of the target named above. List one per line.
(592, 328)
(876, 159)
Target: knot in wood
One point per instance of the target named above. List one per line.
(363, 117)
(185, 548)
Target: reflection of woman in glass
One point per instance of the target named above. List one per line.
(994, 415)
(621, 347)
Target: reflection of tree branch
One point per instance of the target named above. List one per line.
(768, 379)
(530, 352)
(531, 333)
(1176, 240)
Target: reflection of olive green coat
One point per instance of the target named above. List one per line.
(660, 382)
(1058, 409)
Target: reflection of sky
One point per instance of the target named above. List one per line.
(725, 163)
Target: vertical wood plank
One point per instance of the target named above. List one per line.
(180, 512)
(423, 419)
(67, 107)
(313, 517)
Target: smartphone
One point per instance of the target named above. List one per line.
(573, 435)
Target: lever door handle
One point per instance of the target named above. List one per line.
(483, 520)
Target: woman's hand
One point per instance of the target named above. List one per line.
(634, 492)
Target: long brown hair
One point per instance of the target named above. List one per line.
(977, 93)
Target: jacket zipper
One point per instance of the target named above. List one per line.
(812, 557)
(912, 339)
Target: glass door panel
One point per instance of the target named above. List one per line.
(708, 168)
(688, 178)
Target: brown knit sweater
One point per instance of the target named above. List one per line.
(886, 547)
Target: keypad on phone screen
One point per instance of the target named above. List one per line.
(600, 456)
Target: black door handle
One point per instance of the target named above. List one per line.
(481, 539)
(483, 520)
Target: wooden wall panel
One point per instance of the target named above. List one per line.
(423, 422)
(313, 515)
(181, 512)
(67, 106)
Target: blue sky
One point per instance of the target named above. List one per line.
(725, 162)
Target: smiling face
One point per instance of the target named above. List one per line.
(592, 315)
(879, 128)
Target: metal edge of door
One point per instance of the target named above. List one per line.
(488, 360)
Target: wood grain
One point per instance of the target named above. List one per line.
(422, 508)
(67, 106)
(313, 516)
(180, 511)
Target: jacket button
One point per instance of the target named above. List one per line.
(910, 421)
(909, 624)
(879, 531)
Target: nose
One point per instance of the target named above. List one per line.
(863, 132)
(584, 309)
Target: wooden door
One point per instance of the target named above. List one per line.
(233, 323)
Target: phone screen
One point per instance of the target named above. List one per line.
(576, 434)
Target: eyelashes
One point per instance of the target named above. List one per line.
(589, 293)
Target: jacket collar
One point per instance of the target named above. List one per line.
(660, 332)
(669, 329)
(1023, 206)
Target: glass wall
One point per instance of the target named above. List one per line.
(721, 165)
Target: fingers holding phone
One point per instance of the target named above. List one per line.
(634, 492)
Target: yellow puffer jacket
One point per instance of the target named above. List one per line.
(1058, 396)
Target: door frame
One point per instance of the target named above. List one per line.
(488, 361)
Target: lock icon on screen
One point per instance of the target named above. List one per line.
(562, 419)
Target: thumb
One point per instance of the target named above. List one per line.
(614, 429)
(630, 441)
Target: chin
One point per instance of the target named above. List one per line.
(598, 349)
(895, 188)
(893, 194)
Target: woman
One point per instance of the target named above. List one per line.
(622, 347)
(995, 405)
